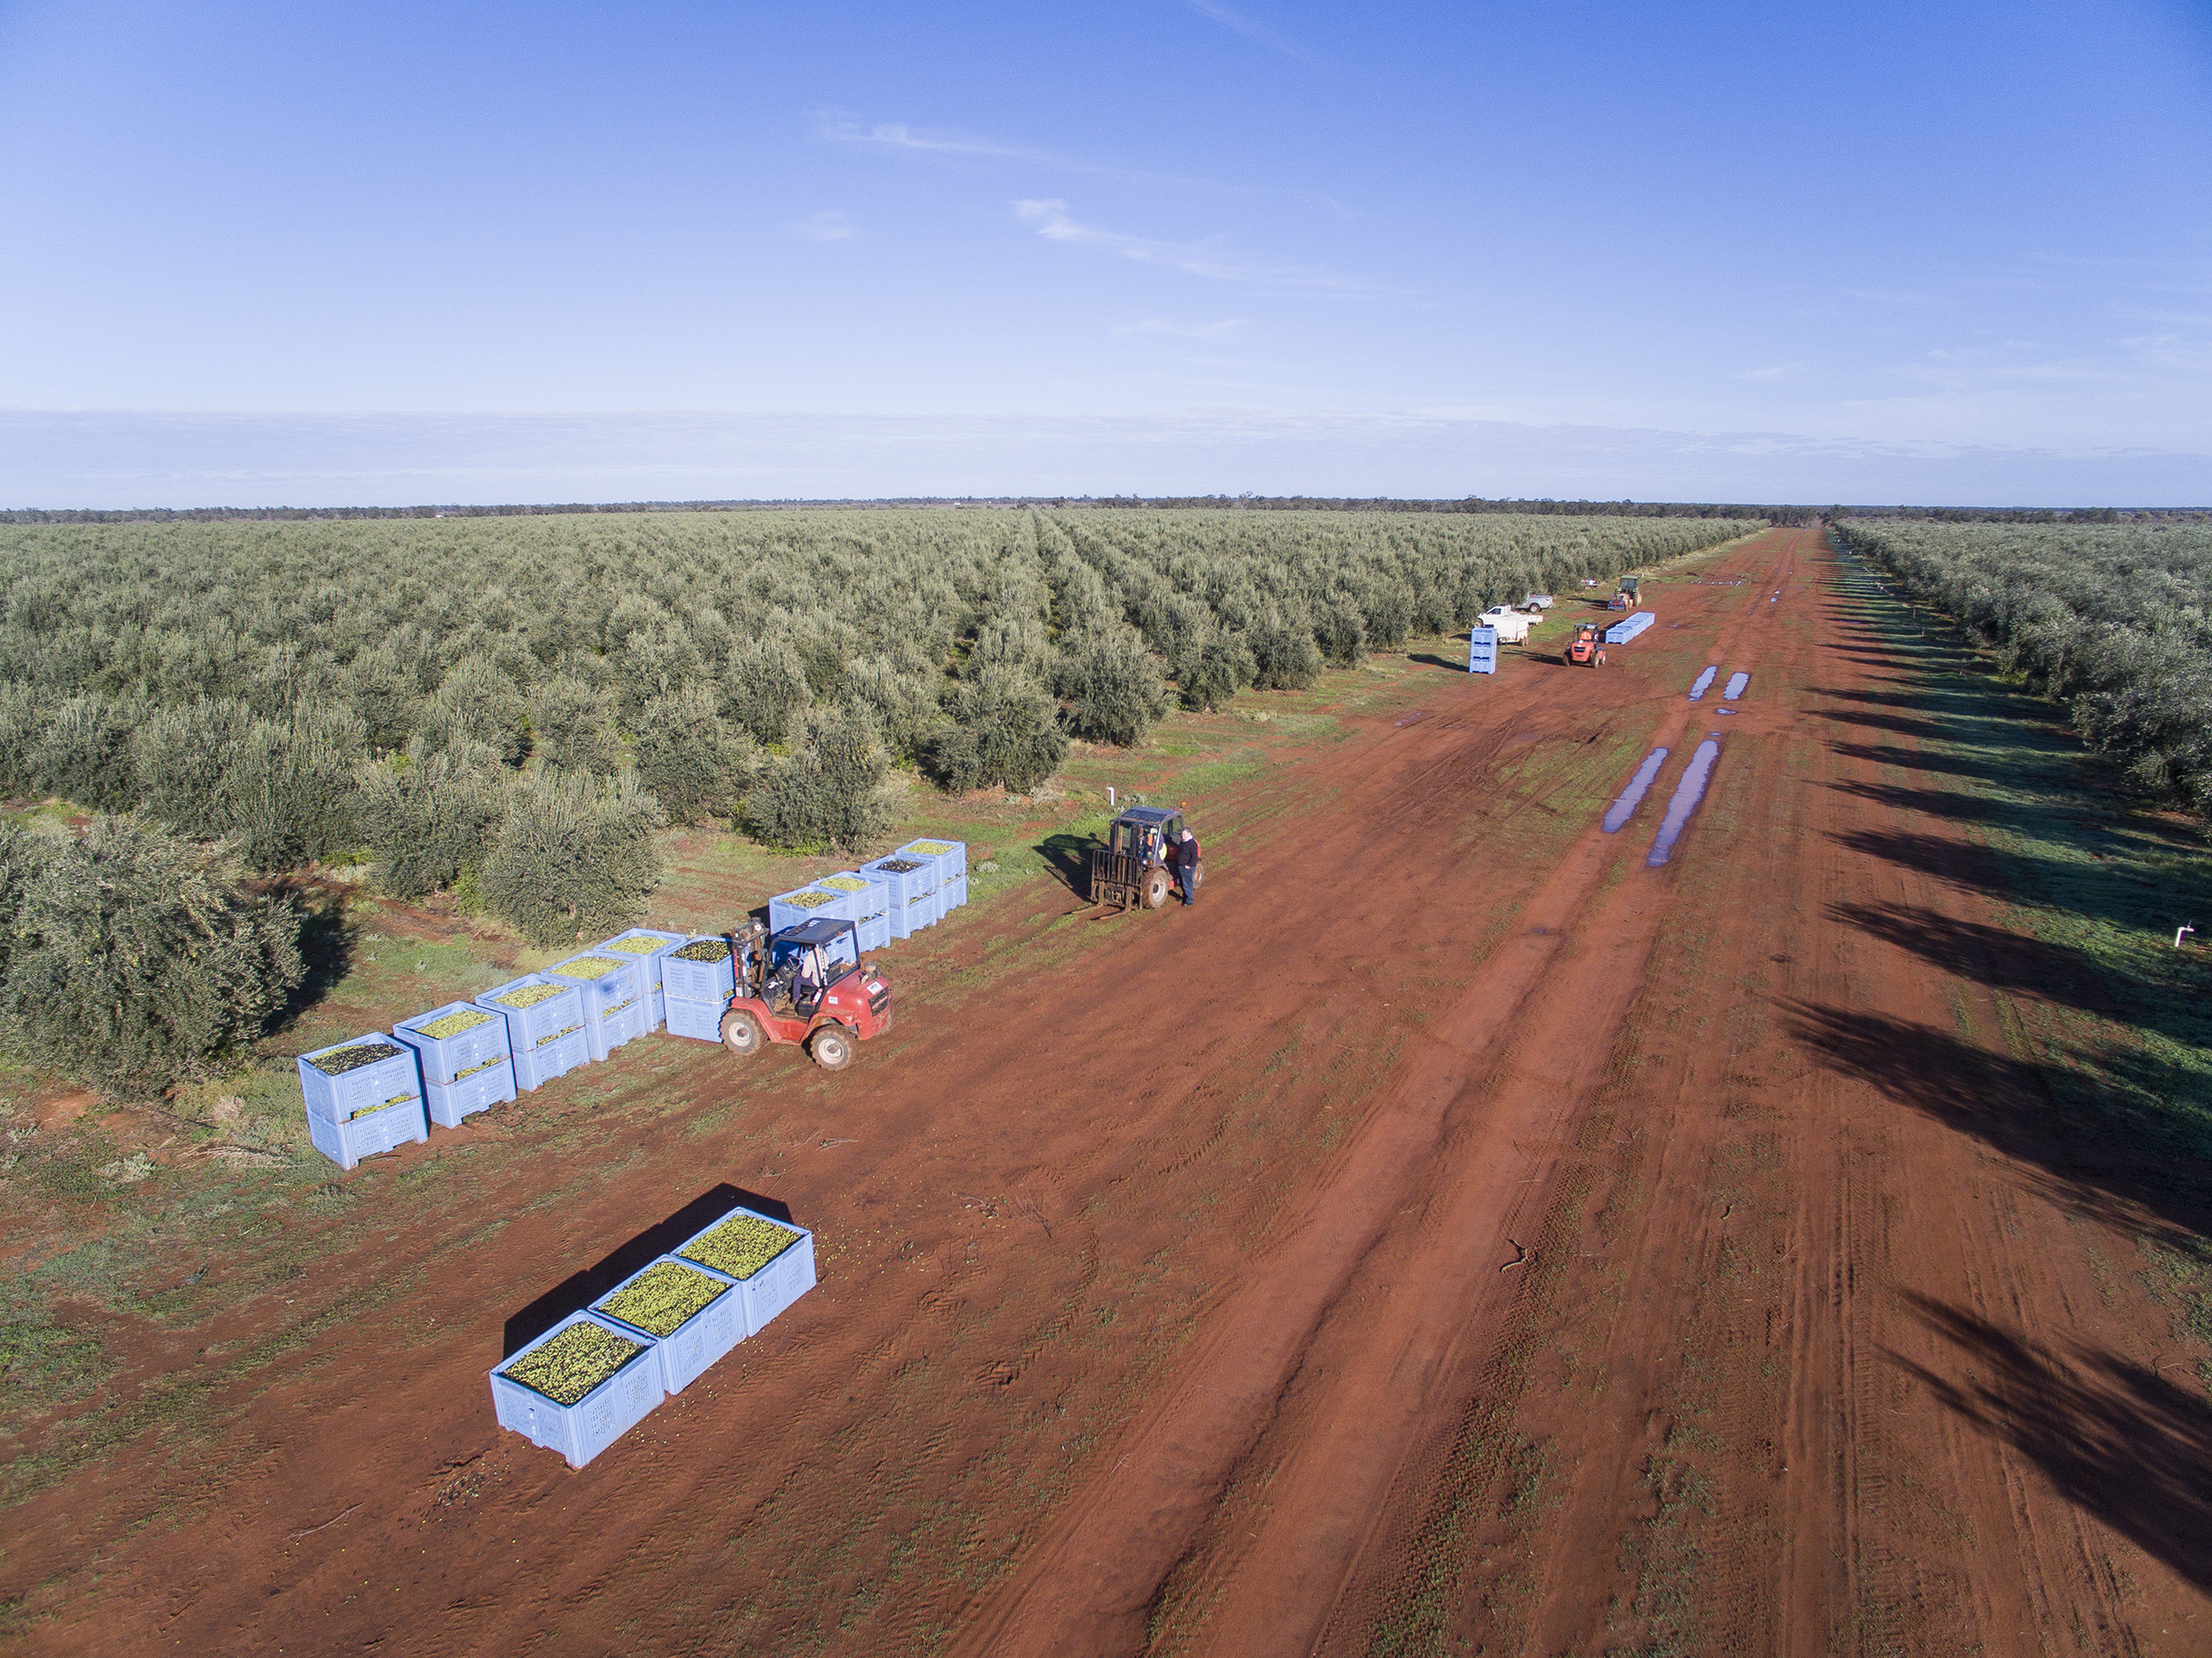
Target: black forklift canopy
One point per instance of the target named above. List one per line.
(1151, 817)
(809, 934)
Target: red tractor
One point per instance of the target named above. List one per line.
(806, 985)
(1588, 649)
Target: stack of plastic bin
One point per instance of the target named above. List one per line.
(1626, 629)
(616, 1007)
(545, 1027)
(950, 860)
(363, 1097)
(872, 896)
(811, 903)
(697, 980)
(466, 1063)
(911, 884)
(647, 945)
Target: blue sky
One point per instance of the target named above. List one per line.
(1963, 251)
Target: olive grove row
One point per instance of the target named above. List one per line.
(2114, 621)
(516, 704)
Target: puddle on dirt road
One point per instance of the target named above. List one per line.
(1688, 792)
(1697, 691)
(1622, 810)
(1736, 683)
(1418, 713)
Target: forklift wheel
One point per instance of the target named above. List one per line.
(1155, 888)
(740, 1032)
(831, 1048)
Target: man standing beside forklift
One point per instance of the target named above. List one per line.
(1187, 864)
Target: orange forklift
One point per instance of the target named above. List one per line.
(1588, 649)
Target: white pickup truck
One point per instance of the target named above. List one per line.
(1511, 624)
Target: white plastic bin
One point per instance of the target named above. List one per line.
(684, 1348)
(872, 905)
(536, 1009)
(580, 1429)
(701, 1021)
(455, 1041)
(554, 1056)
(950, 856)
(646, 946)
(490, 1084)
(702, 970)
(370, 1133)
(613, 991)
(367, 1074)
(766, 1285)
(811, 903)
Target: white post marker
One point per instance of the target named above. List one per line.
(1109, 796)
(2179, 933)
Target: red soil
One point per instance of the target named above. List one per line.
(1460, 1236)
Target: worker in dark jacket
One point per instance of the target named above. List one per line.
(1187, 866)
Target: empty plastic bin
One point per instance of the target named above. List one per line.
(578, 1392)
(364, 1075)
(770, 1261)
(693, 1316)
(385, 1128)
(455, 1041)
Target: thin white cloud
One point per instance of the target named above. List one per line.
(1251, 28)
(895, 137)
(825, 226)
(1184, 330)
(1883, 296)
(1776, 371)
(898, 138)
(1048, 218)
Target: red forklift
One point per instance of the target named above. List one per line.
(805, 984)
(1588, 649)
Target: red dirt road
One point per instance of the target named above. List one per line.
(1456, 1235)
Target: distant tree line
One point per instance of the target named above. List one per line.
(2114, 621)
(2025, 515)
(1533, 506)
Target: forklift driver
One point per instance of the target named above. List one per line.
(798, 981)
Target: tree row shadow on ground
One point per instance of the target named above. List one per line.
(2122, 1132)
